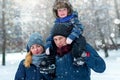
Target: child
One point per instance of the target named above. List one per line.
(64, 13)
(29, 68)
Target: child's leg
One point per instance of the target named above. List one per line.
(78, 47)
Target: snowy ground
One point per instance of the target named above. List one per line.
(112, 71)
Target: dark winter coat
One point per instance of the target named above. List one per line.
(65, 70)
(72, 19)
(31, 73)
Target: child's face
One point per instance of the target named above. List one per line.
(36, 49)
(62, 12)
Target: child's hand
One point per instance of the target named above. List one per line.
(47, 51)
(69, 41)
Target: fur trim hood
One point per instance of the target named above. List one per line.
(62, 4)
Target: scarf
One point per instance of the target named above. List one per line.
(63, 50)
(36, 59)
(67, 18)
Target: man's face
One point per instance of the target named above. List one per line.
(60, 41)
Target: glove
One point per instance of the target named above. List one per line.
(80, 60)
(47, 51)
(69, 41)
(47, 65)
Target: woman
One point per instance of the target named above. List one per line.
(29, 67)
(65, 70)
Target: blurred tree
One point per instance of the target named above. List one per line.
(3, 32)
(22, 17)
(117, 10)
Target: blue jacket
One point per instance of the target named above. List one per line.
(71, 19)
(32, 73)
(65, 70)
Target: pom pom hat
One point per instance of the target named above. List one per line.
(35, 38)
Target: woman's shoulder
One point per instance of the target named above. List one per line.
(22, 62)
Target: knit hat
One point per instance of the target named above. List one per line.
(63, 29)
(35, 38)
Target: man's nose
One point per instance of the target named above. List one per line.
(58, 41)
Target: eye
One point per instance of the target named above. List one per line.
(59, 10)
(60, 38)
(38, 45)
(65, 9)
(55, 39)
(32, 47)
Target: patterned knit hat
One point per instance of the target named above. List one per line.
(63, 29)
(35, 38)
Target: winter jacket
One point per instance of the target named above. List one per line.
(65, 70)
(70, 19)
(31, 73)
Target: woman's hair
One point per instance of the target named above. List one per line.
(28, 59)
(62, 4)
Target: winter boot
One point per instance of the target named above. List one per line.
(77, 49)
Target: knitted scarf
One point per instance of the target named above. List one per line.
(64, 50)
(36, 59)
(65, 19)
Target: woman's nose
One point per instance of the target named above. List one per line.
(35, 49)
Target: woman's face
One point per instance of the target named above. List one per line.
(62, 12)
(36, 49)
(60, 41)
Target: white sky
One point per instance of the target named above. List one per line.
(112, 71)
